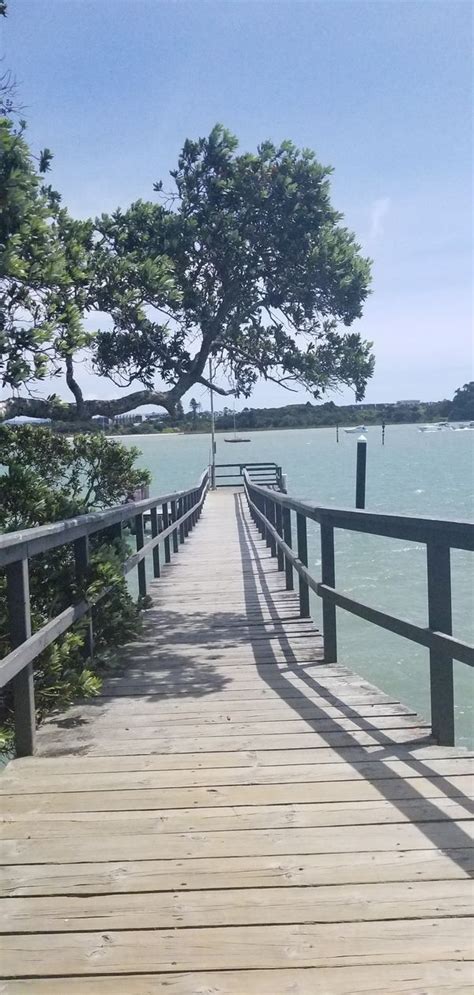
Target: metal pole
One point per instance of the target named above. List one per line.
(361, 471)
(213, 433)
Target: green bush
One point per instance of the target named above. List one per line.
(46, 478)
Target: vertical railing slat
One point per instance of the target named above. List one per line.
(328, 576)
(82, 558)
(288, 540)
(166, 522)
(18, 601)
(441, 664)
(156, 549)
(141, 567)
(302, 539)
(279, 528)
(174, 515)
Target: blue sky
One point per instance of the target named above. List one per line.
(380, 90)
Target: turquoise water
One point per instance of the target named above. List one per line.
(414, 473)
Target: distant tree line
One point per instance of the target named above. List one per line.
(460, 408)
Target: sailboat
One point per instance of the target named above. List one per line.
(236, 438)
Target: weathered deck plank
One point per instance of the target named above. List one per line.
(233, 815)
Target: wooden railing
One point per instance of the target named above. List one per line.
(269, 474)
(272, 512)
(179, 511)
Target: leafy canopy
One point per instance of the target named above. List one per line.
(244, 261)
(43, 267)
(263, 273)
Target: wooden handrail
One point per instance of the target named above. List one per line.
(438, 535)
(180, 511)
(262, 473)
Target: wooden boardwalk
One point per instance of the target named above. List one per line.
(232, 816)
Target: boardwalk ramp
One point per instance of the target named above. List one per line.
(233, 816)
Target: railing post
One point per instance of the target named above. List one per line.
(180, 513)
(263, 507)
(115, 532)
(272, 518)
(141, 568)
(174, 515)
(166, 522)
(441, 664)
(185, 511)
(287, 538)
(328, 576)
(279, 528)
(302, 539)
(18, 600)
(81, 557)
(266, 512)
(156, 549)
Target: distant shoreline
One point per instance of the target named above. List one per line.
(286, 428)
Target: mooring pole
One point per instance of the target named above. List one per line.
(337, 431)
(383, 432)
(361, 471)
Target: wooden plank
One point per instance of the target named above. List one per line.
(237, 727)
(131, 798)
(126, 877)
(397, 770)
(415, 760)
(239, 947)
(233, 843)
(36, 823)
(284, 686)
(218, 744)
(237, 907)
(211, 712)
(435, 978)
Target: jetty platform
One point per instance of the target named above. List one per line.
(232, 815)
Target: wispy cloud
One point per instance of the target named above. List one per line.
(378, 212)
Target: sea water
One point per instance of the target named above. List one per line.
(414, 473)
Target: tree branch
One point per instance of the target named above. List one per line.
(58, 411)
(73, 385)
(217, 390)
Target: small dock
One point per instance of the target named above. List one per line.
(233, 815)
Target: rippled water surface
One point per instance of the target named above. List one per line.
(414, 473)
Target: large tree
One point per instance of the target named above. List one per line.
(244, 261)
(44, 260)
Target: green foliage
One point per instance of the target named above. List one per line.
(43, 267)
(46, 478)
(263, 273)
(463, 403)
(51, 477)
(322, 415)
(246, 261)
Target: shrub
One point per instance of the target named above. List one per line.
(46, 478)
